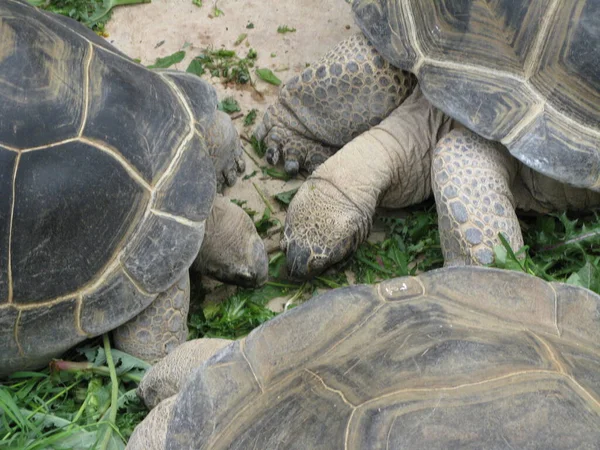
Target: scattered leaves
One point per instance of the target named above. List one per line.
(224, 64)
(73, 405)
(412, 245)
(272, 172)
(265, 222)
(216, 12)
(250, 175)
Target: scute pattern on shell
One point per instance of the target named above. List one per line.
(471, 356)
(525, 73)
(95, 151)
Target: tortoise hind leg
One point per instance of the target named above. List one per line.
(160, 328)
(472, 180)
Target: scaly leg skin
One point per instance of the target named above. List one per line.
(351, 89)
(389, 165)
(232, 251)
(160, 328)
(472, 184)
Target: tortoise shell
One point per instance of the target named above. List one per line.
(454, 358)
(105, 183)
(522, 72)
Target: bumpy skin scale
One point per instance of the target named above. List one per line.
(477, 184)
(520, 72)
(351, 89)
(389, 165)
(160, 328)
(472, 180)
(463, 357)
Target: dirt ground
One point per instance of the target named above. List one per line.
(160, 28)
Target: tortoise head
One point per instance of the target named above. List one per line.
(322, 227)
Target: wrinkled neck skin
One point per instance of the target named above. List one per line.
(412, 131)
(391, 163)
(388, 165)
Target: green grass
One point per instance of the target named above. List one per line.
(559, 247)
(86, 402)
(75, 405)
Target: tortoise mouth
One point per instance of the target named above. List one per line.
(305, 261)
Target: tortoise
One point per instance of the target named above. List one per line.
(459, 357)
(108, 177)
(505, 116)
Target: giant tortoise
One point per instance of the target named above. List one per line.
(108, 177)
(456, 358)
(524, 75)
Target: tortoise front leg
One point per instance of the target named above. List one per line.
(472, 179)
(160, 328)
(349, 90)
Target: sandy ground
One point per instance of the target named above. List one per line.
(158, 29)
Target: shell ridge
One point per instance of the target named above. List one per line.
(534, 56)
(242, 351)
(184, 143)
(329, 388)
(86, 87)
(129, 168)
(178, 219)
(10, 231)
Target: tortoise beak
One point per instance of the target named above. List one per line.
(305, 262)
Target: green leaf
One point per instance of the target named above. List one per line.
(229, 105)
(10, 408)
(286, 196)
(197, 3)
(240, 39)
(168, 61)
(250, 118)
(588, 277)
(259, 146)
(285, 29)
(265, 222)
(224, 64)
(250, 175)
(275, 173)
(196, 67)
(268, 76)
